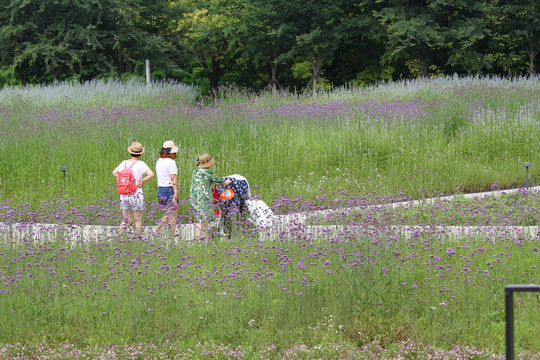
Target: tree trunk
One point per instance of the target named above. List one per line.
(532, 51)
(214, 73)
(274, 83)
(213, 77)
(56, 72)
(422, 64)
(120, 68)
(22, 76)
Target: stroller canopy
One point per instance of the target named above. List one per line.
(237, 192)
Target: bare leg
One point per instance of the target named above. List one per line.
(204, 231)
(162, 222)
(201, 231)
(126, 221)
(138, 221)
(198, 231)
(169, 219)
(172, 221)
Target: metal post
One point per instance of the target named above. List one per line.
(509, 308)
(64, 169)
(527, 165)
(148, 82)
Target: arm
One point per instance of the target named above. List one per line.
(115, 172)
(216, 180)
(174, 185)
(149, 175)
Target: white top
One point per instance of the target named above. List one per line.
(164, 168)
(138, 169)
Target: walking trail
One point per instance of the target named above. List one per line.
(299, 222)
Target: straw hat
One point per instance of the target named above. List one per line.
(205, 161)
(135, 149)
(170, 145)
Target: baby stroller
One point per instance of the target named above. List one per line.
(232, 202)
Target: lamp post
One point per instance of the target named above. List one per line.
(148, 80)
(64, 169)
(527, 165)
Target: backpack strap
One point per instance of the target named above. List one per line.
(125, 164)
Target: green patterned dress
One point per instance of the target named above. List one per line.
(202, 192)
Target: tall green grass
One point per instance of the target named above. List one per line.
(414, 137)
(350, 290)
(398, 140)
(133, 92)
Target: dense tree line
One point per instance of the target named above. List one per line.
(291, 44)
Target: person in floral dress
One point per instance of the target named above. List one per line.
(201, 194)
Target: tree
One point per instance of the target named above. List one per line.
(209, 31)
(362, 50)
(291, 43)
(46, 40)
(467, 28)
(154, 19)
(265, 39)
(313, 30)
(127, 32)
(413, 33)
(520, 29)
(41, 37)
(440, 35)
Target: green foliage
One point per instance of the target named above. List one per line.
(519, 32)
(51, 41)
(7, 77)
(369, 75)
(201, 80)
(301, 70)
(211, 34)
(255, 44)
(417, 69)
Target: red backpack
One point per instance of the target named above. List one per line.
(125, 181)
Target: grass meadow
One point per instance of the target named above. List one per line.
(416, 138)
(365, 292)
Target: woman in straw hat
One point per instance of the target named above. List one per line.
(201, 194)
(167, 194)
(133, 205)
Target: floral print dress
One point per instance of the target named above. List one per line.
(201, 193)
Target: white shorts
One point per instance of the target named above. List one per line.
(133, 202)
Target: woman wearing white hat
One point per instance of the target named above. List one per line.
(167, 193)
(132, 203)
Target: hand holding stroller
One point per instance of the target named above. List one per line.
(235, 205)
(232, 203)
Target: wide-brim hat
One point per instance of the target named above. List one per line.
(205, 161)
(170, 145)
(136, 148)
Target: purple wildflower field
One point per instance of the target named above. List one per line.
(344, 275)
(366, 291)
(419, 139)
(404, 350)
